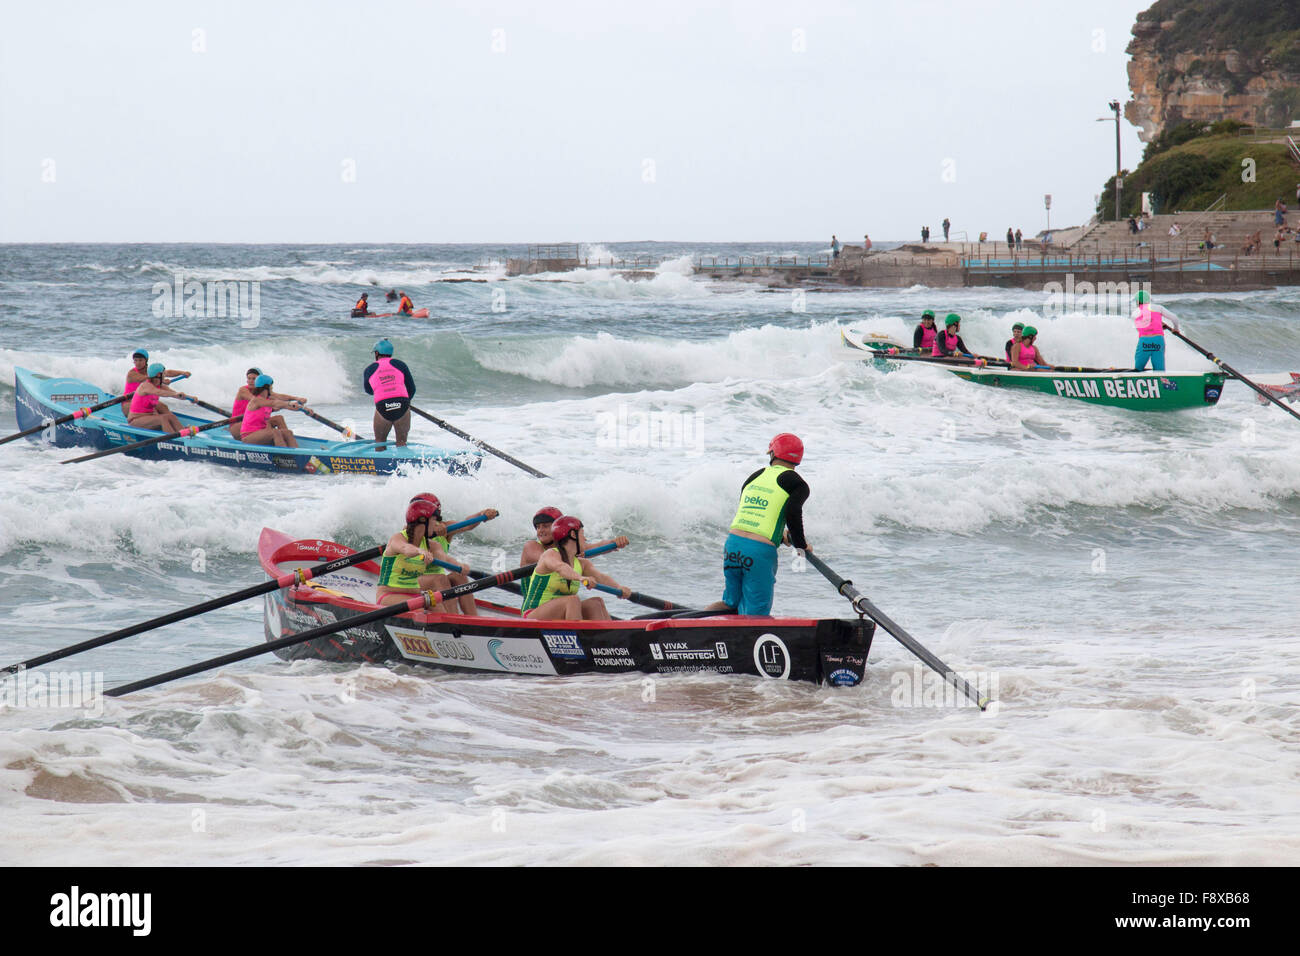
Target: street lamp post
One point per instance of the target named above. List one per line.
(1114, 106)
(1119, 183)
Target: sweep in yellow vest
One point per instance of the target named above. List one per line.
(762, 505)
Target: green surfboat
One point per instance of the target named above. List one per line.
(1116, 388)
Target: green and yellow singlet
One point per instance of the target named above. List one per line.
(402, 572)
(545, 587)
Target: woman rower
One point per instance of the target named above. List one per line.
(542, 522)
(407, 554)
(1025, 355)
(258, 426)
(245, 395)
(138, 374)
(552, 592)
(924, 335)
(948, 343)
(441, 535)
(146, 411)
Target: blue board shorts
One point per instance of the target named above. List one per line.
(1151, 348)
(749, 569)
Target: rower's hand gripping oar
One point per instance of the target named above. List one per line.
(1264, 393)
(288, 579)
(422, 602)
(61, 420)
(477, 443)
(183, 433)
(865, 607)
(636, 597)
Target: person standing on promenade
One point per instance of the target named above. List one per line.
(947, 224)
(1011, 241)
(835, 247)
(1018, 238)
(866, 244)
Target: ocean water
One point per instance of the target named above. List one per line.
(1123, 583)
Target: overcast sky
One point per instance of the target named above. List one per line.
(533, 122)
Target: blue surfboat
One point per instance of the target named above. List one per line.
(41, 398)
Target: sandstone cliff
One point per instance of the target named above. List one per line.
(1210, 60)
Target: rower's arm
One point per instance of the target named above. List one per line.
(589, 570)
(798, 491)
(487, 514)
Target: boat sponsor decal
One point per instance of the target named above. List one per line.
(87, 398)
(1144, 388)
(681, 651)
(316, 466)
(772, 657)
(564, 644)
(616, 657)
(694, 669)
(1169, 385)
(513, 655)
(721, 648)
(211, 451)
(360, 466)
(285, 462)
(1211, 394)
(843, 669)
(321, 548)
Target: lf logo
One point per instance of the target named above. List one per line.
(772, 657)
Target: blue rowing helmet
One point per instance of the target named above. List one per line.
(143, 353)
(156, 369)
(384, 347)
(262, 380)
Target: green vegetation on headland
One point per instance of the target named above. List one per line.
(1254, 28)
(1192, 164)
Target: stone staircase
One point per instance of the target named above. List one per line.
(1230, 230)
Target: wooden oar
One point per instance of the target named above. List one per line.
(479, 444)
(863, 606)
(183, 433)
(298, 576)
(1264, 393)
(423, 601)
(62, 419)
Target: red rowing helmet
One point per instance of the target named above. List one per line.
(546, 515)
(787, 447)
(564, 528)
(421, 510)
(431, 498)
